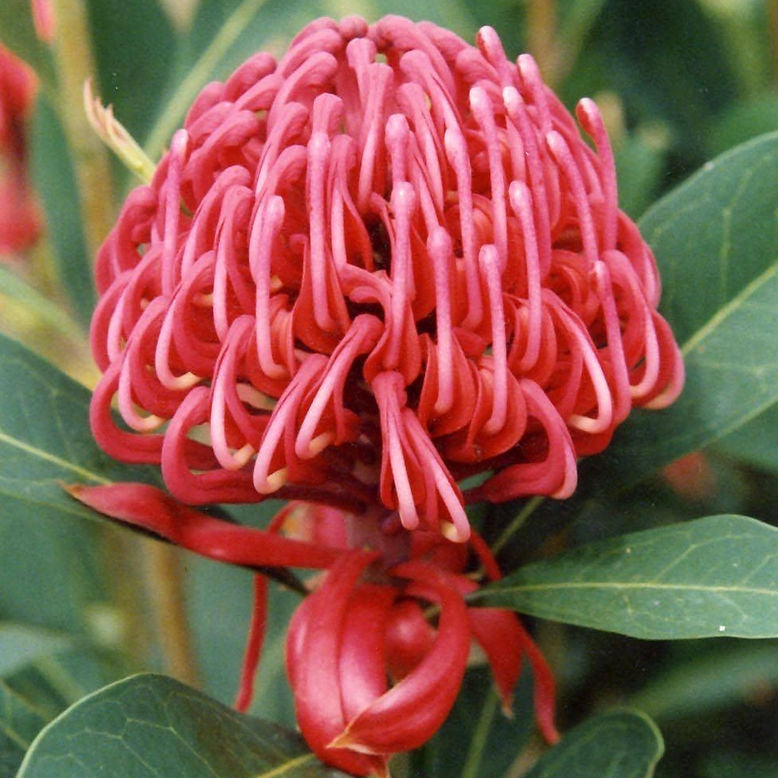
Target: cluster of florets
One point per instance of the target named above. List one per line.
(382, 265)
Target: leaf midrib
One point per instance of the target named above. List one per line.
(625, 585)
(730, 308)
(52, 458)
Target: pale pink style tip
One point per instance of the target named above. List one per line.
(382, 265)
(44, 19)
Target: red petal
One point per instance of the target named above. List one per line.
(409, 638)
(312, 662)
(411, 712)
(253, 645)
(362, 651)
(151, 509)
(499, 633)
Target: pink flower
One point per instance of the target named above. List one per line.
(19, 219)
(364, 273)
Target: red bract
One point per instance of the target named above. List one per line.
(348, 635)
(19, 220)
(369, 621)
(381, 265)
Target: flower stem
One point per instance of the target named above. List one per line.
(164, 585)
(516, 524)
(772, 24)
(541, 37)
(74, 62)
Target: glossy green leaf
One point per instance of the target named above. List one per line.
(133, 44)
(54, 180)
(715, 242)
(51, 560)
(20, 722)
(621, 744)
(711, 577)
(149, 726)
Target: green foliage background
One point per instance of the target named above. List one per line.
(620, 584)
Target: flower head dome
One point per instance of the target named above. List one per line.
(380, 266)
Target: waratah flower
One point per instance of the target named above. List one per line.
(382, 265)
(19, 220)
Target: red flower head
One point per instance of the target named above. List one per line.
(381, 265)
(19, 221)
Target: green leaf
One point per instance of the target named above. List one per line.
(51, 568)
(621, 744)
(45, 439)
(711, 577)
(20, 722)
(149, 726)
(22, 643)
(733, 673)
(134, 47)
(54, 180)
(715, 240)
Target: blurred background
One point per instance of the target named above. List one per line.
(678, 83)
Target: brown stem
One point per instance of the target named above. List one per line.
(772, 22)
(541, 37)
(75, 64)
(165, 590)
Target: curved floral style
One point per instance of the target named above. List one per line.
(382, 265)
(19, 219)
